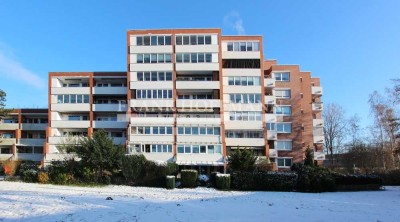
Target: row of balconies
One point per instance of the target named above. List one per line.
(22, 141)
(85, 107)
(86, 90)
(55, 140)
(86, 124)
(179, 85)
(24, 126)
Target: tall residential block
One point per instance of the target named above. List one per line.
(191, 96)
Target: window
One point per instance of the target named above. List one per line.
(75, 98)
(152, 130)
(198, 130)
(153, 58)
(284, 162)
(282, 93)
(161, 148)
(245, 98)
(193, 57)
(244, 80)
(282, 76)
(243, 46)
(245, 116)
(199, 149)
(283, 145)
(244, 134)
(193, 40)
(283, 110)
(153, 94)
(153, 40)
(284, 127)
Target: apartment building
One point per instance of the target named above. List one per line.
(81, 103)
(23, 135)
(190, 96)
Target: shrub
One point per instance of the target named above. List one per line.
(153, 174)
(132, 167)
(391, 178)
(264, 181)
(314, 179)
(172, 168)
(242, 160)
(309, 159)
(29, 175)
(170, 180)
(10, 167)
(43, 177)
(189, 178)
(223, 181)
(213, 178)
(358, 179)
(106, 179)
(60, 178)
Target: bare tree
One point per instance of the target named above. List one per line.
(334, 128)
(354, 130)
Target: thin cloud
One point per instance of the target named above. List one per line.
(234, 20)
(13, 69)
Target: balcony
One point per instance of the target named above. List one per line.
(110, 107)
(197, 48)
(269, 82)
(181, 67)
(316, 91)
(197, 84)
(245, 125)
(119, 140)
(198, 103)
(255, 107)
(319, 139)
(150, 49)
(199, 159)
(318, 123)
(5, 156)
(149, 121)
(9, 126)
(7, 141)
(272, 135)
(203, 139)
(193, 120)
(157, 103)
(270, 99)
(70, 124)
(70, 90)
(240, 55)
(151, 85)
(317, 107)
(31, 142)
(270, 118)
(145, 67)
(109, 90)
(110, 124)
(59, 140)
(67, 107)
(29, 156)
(319, 155)
(245, 142)
(151, 138)
(273, 153)
(166, 157)
(34, 126)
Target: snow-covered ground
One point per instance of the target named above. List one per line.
(35, 202)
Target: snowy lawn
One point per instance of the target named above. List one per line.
(35, 202)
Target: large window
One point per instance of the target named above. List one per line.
(245, 116)
(244, 46)
(151, 130)
(153, 58)
(154, 76)
(245, 98)
(196, 96)
(284, 127)
(193, 39)
(75, 98)
(193, 57)
(283, 110)
(153, 40)
(161, 148)
(202, 130)
(284, 162)
(244, 134)
(154, 94)
(244, 81)
(282, 76)
(199, 149)
(282, 93)
(284, 145)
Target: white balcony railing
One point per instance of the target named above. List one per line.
(318, 123)
(198, 103)
(70, 107)
(270, 99)
(70, 90)
(151, 120)
(269, 82)
(31, 142)
(197, 85)
(9, 126)
(213, 139)
(245, 142)
(317, 107)
(110, 124)
(109, 107)
(273, 153)
(316, 90)
(7, 141)
(272, 135)
(109, 90)
(70, 124)
(154, 103)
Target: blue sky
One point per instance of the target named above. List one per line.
(354, 46)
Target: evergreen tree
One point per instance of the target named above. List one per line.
(242, 160)
(309, 160)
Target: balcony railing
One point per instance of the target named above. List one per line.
(9, 126)
(317, 106)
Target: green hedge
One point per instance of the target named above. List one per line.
(223, 181)
(358, 182)
(314, 179)
(390, 178)
(189, 178)
(263, 181)
(170, 182)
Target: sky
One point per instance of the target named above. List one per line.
(353, 46)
